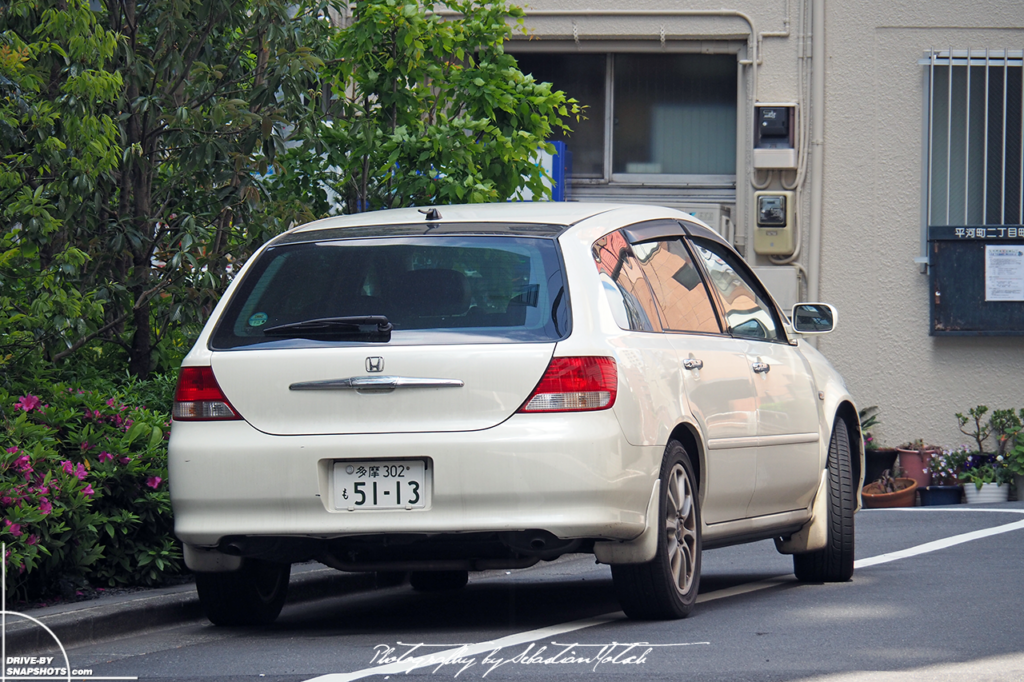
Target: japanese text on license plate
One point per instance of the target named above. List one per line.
(380, 484)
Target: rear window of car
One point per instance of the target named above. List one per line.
(432, 289)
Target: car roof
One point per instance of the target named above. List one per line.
(547, 219)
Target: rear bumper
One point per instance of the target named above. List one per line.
(572, 475)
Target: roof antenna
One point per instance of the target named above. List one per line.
(431, 213)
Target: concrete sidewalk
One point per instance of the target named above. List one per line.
(116, 616)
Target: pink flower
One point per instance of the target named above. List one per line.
(125, 460)
(22, 464)
(32, 539)
(45, 507)
(85, 446)
(153, 481)
(13, 527)
(87, 490)
(27, 403)
(67, 467)
(110, 402)
(105, 457)
(80, 472)
(13, 450)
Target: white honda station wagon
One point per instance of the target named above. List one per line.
(460, 388)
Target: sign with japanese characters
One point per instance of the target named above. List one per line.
(1004, 272)
(981, 233)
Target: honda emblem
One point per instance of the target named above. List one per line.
(375, 364)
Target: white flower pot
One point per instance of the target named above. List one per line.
(989, 493)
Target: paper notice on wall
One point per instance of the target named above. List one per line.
(1004, 272)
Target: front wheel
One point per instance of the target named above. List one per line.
(252, 595)
(834, 562)
(666, 587)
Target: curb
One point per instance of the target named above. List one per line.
(92, 622)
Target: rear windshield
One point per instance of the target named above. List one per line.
(431, 289)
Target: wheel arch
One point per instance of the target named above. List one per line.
(688, 436)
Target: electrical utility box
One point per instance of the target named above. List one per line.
(775, 136)
(773, 212)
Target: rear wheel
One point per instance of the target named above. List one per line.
(834, 562)
(252, 595)
(667, 586)
(437, 581)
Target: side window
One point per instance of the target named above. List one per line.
(624, 284)
(747, 314)
(678, 288)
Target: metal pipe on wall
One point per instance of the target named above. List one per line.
(817, 146)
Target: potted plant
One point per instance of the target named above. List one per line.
(914, 458)
(876, 459)
(889, 492)
(986, 476)
(1013, 450)
(1015, 461)
(945, 485)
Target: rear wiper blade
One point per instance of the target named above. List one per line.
(355, 327)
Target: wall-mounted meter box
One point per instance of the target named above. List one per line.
(775, 136)
(773, 212)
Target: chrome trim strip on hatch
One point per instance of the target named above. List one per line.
(375, 383)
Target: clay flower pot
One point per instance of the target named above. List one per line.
(875, 498)
(914, 464)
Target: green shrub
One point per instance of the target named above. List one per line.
(83, 486)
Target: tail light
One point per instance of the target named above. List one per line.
(579, 384)
(199, 397)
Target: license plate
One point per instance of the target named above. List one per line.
(381, 484)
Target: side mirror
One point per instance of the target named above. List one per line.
(814, 318)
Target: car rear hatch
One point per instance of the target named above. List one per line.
(391, 334)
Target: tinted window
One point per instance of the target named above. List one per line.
(683, 299)
(431, 289)
(624, 284)
(747, 313)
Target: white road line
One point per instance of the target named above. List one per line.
(469, 650)
(939, 544)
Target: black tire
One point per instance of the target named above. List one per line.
(252, 595)
(438, 581)
(834, 562)
(666, 588)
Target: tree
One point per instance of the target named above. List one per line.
(165, 183)
(57, 141)
(425, 108)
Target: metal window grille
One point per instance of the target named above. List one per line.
(975, 137)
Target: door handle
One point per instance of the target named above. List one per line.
(761, 367)
(693, 363)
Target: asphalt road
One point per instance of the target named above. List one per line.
(937, 595)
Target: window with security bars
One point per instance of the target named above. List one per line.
(975, 154)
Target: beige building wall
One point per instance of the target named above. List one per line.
(872, 181)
